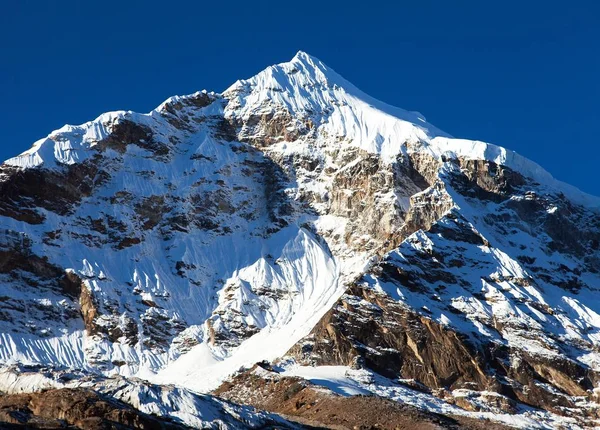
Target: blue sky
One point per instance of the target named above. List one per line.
(523, 75)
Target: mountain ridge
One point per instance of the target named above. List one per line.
(267, 81)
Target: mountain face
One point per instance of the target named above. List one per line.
(296, 222)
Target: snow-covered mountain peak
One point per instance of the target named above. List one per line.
(295, 215)
(307, 89)
(303, 70)
(307, 85)
(305, 57)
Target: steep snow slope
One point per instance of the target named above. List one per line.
(219, 229)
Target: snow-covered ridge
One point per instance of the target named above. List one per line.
(477, 150)
(68, 145)
(308, 88)
(306, 84)
(73, 143)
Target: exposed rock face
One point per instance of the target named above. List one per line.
(450, 341)
(30, 190)
(366, 329)
(225, 227)
(74, 408)
(29, 285)
(313, 405)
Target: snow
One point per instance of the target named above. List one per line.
(335, 378)
(303, 262)
(306, 87)
(67, 145)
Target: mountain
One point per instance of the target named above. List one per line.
(346, 246)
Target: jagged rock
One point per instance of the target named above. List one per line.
(393, 341)
(294, 397)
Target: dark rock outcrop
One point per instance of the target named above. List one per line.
(300, 400)
(75, 409)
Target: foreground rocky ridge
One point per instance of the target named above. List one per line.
(73, 408)
(293, 215)
(264, 388)
(45, 397)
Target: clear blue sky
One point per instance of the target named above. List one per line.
(524, 75)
